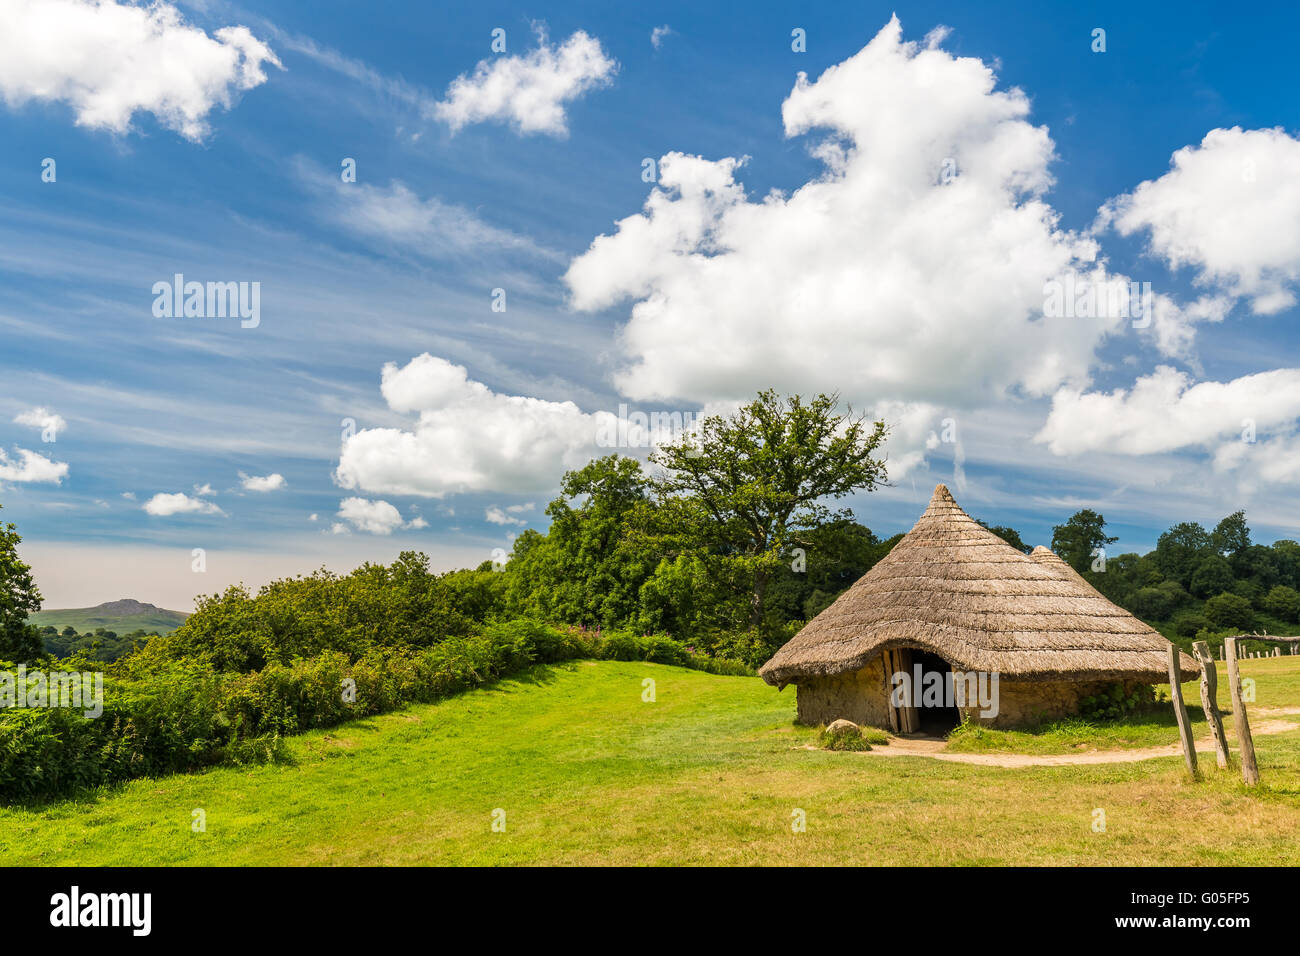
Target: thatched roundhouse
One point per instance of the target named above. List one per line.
(954, 597)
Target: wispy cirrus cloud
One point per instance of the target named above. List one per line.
(395, 217)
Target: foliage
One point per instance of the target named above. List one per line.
(847, 738)
(754, 485)
(1077, 540)
(1230, 610)
(1117, 701)
(19, 597)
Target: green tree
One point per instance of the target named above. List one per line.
(590, 565)
(1213, 575)
(1010, 535)
(758, 480)
(1081, 536)
(20, 642)
(1180, 549)
(1231, 535)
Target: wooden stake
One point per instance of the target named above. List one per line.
(1184, 725)
(1210, 701)
(1249, 769)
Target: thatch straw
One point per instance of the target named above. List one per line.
(958, 590)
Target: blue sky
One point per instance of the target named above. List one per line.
(224, 166)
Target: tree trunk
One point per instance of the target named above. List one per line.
(756, 598)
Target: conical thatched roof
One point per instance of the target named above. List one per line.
(952, 587)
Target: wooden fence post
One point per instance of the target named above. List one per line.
(1210, 701)
(1184, 725)
(1249, 769)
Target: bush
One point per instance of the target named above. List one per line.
(1283, 602)
(1189, 623)
(1117, 700)
(848, 738)
(1152, 604)
(1229, 610)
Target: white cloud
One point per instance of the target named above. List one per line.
(109, 60)
(43, 420)
(885, 275)
(273, 482)
(1230, 209)
(164, 505)
(467, 438)
(204, 490)
(528, 91)
(31, 468)
(506, 516)
(658, 34)
(1165, 412)
(394, 215)
(373, 517)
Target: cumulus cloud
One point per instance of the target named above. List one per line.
(658, 34)
(528, 91)
(507, 516)
(911, 270)
(31, 468)
(109, 61)
(1229, 209)
(467, 437)
(1165, 411)
(273, 482)
(42, 419)
(165, 505)
(372, 517)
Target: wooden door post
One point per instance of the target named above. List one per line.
(1210, 701)
(1180, 711)
(1249, 769)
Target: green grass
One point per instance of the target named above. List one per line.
(1277, 685)
(712, 772)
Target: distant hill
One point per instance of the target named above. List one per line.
(122, 616)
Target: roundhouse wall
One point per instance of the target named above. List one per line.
(863, 697)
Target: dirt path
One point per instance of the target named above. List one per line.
(934, 747)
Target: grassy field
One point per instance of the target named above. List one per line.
(712, 772)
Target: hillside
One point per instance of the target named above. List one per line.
(122, 616)
(711, 772)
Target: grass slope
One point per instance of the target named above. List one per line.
(155, 620)
(710, 773)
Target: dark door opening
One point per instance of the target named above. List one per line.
(933, 720)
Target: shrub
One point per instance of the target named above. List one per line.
(1189, 623)
(1229, 610)
(1283, 602)
(846, 738)
(1117, 700)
